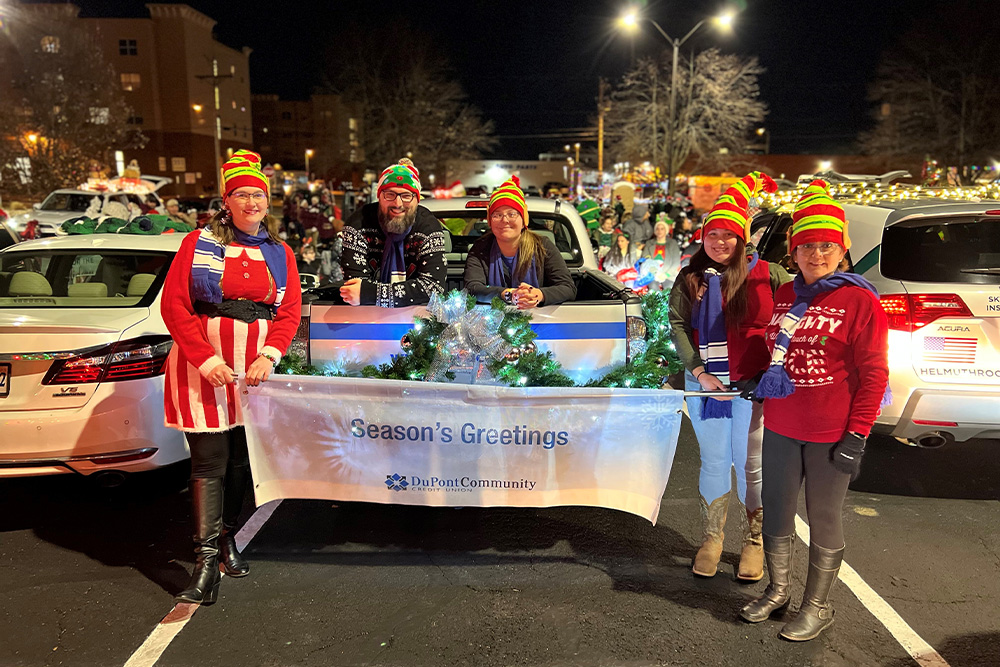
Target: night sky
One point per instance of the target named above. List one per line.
(533, 67)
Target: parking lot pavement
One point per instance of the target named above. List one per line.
(88, 574)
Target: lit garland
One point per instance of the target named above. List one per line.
(871, 193)
(523, 365)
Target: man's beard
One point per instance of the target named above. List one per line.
(398, 224)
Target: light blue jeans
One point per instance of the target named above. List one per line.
(728, 443)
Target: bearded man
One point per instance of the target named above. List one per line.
(394, 248)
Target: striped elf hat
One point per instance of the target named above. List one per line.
(731, 210)
(400, 175)
(509, 194)
(242, 169)
(818, 218)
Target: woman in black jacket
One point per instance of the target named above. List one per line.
(523, 268)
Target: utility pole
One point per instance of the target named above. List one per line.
(601, 110)
(217, 130)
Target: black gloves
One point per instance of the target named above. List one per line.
(750, 386)
(847, 453)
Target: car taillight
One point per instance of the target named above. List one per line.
(133, 359)
(300, 341)
(635, 336)
(909, 312)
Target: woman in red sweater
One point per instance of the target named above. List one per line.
(719, 308)
(226, 305)
(827, 379)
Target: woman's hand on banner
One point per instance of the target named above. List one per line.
(221, 375)
(259, 371)
(709, 382)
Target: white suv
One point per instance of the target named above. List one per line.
(936, 264)
(66, 204)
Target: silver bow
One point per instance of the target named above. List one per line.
(470, 332)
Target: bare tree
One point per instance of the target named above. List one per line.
(410, 102)
(65, 112)
(936, 94)
(717, 102)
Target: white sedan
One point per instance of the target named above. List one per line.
(82, 349)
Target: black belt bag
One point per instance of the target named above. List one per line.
(237, 309)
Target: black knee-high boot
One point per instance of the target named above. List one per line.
(237, 478)
(206, 500)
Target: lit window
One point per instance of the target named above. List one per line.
(189, 178)
(162, 163)
(178, 164)
(234, 104)
(352, 123)
(130, 81)
(50, 44)
(127, 47)
(232, 69)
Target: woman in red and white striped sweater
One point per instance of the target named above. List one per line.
(226, 305)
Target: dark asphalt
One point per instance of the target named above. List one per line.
(86, 574)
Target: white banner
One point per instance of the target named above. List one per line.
(439, 444)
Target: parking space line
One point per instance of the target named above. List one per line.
(172, 624)
(922, 652)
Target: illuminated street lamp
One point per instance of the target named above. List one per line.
(309, 154)
(630, 22)
(766, 136)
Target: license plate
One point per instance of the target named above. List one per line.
(4, 380)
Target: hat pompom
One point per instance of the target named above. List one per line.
(405, 160)
(768, 184)
(517, 181)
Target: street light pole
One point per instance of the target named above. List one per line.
(631, 20)
(309, 154)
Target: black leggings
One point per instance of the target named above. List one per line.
(786, 462)
(212, 452)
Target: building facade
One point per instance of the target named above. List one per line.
(189, 93)
(323, 128)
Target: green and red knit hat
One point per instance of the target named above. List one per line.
(509, 194)
(243, 169)
(400, 175)
(818, 218)
(732, 209)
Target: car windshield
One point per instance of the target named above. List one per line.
(953, 250)
(67, 201)
(463, 228)
(85, 278)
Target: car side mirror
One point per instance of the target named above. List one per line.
(36, 206)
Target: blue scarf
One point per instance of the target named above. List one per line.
(210, 260)
(709, 320)
(394, 258)
(497, 276)
(775, 382)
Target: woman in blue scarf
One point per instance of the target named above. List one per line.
(523, 268)
(232, 304)
(720, 306)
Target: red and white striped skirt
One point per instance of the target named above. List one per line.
(191, 403)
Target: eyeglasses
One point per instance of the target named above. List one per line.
(509, 216)
(823, 248)
(405, 197)
(244, 197)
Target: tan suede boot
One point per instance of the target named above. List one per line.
(713, 519)
(752, 557)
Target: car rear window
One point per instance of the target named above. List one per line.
(85, 278)
(951, 250)
(463, 228)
